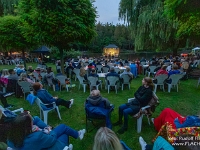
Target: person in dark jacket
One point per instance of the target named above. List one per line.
(95, 99)
(29, 132)
(102, 104)
(47, 98)
(142, 97)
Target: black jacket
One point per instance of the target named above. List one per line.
(143, 95)
(96, 100)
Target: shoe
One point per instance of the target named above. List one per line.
(142, 143)
(70, 147)
(9, 106)
(81, 133)
(122, 130)
(72, 102)
(152, 120)
(117, 123)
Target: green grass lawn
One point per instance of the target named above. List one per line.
(186, 102)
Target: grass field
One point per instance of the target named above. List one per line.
(186, 102)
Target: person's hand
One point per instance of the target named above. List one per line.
(55, 97)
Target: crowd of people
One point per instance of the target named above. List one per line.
(25, 131)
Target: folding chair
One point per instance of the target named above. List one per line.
(44, 108)
(98, 115)
(147, 111)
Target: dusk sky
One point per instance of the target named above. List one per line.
(108, 11)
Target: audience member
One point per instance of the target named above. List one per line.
(175, 120)
(25, 135)
(104, 106)
(47, 98)
(142, 97)
(106, 139)
(13, 75)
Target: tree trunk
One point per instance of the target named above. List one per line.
(23, 58)
(61, 60)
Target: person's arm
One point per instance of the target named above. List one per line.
(46, 96)
(38, 122)
(47, 140)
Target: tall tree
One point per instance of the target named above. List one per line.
(9, 6)
(151, 29)
(187, 13)
(58, 22)
(11, 36)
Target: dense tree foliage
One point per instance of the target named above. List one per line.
(187, 13)
(109, 33)
(8, 7)
(11, 36)
(58, 22)
(154, 25)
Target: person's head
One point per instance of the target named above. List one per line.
(5, 72)
(147, 82)
(82, 71)
(11, 71)
(128, 69)
(21, 127)
(30, 67)
(93, 70)
(106, 139)
(49, 70)
(164, 67)
(175, 67)
(37, 86)
(23, 76)
(95, 93)
(112, 69)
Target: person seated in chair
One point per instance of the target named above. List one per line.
(47, 98)
(29, 132)
(173, 71)
(142, 97)
(161, 71)
(95, 99)
(112, 73)
(128, 72)
(12, 75)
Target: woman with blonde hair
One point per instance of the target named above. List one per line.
(106, 139)
(142, 97)
(83, 73)
(5, 73)
(23, 77)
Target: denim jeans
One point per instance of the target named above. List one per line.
(61, 130)
(125, 110)
(64, 131)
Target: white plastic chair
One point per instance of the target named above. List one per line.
(160, 81)
(26, 87)
(175, 79)
(93, 82)
(76, 71)
(126, 80)
(139, 120)
(62, 79)
(99, 67)
(112, 81)
(151, 70)
(81, 79)
(105, 69)
(36, 75)
(117, 70)
(45, 110)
